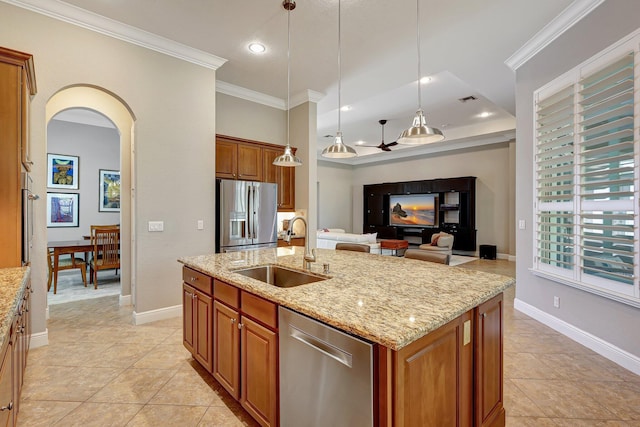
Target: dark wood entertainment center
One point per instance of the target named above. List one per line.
(456, 210)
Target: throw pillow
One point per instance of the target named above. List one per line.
(372, 237)
(434, 240)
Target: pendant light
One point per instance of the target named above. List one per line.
(419, 133)
(339, 150)
(288, 158)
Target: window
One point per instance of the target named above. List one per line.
(586, 175)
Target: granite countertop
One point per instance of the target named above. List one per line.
(13, 282)
(388, 300)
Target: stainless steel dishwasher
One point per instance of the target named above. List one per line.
(326, 375)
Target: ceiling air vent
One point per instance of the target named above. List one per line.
(468, 98)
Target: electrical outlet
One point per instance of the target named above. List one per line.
(522, 225)
(556, 302)
(156, 225)
(200, 224)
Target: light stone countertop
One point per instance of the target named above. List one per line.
(385, 299)
(13, 282)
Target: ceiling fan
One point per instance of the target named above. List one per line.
(382, 146)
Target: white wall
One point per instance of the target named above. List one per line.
(97, 148)
(174, 105)
(490, 164)
(335, 196)
(245, 119)
(604, 321)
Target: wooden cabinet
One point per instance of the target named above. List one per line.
(246, 349)
(238, 160)
(6, 388)
(198, 316)
(242, 159)
(17, 84)
(283, 176)
(295, 241)
(489, 363)
(433, 378)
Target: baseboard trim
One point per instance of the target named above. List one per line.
(603, 348)
(39, 339)
(125, 300)
(155, 315)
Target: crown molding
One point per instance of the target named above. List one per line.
(554, 29)
(306, 96)
(250, 95)
(109, 27)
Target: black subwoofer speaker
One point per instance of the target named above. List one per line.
(488, 252)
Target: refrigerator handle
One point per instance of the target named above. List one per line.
(249, 213)
(254, 213)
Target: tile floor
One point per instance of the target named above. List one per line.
(100, 370)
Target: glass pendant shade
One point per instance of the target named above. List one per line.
(287, 159)
(338, 150)
(419, 133)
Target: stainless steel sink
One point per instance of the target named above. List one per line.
(279, 276)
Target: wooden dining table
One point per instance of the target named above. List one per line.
(63, 247)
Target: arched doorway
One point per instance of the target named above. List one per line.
(117, 111)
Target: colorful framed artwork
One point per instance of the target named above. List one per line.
(62, 171)
(109, 191)
(63, 209)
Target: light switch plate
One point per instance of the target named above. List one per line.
(522, 224)
(200, 224)
(156, 225)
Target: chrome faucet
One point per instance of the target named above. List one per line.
(309, 256)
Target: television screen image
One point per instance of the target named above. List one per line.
(413, 210)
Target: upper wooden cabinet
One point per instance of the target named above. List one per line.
(285, 177)
(253, 161)
(17, 84)
(238, 160)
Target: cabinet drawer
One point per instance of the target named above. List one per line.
(260, 309)
(198, 280)
(226, 293)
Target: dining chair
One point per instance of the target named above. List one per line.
(356, 247)
(67, 263)
(106, 250)
(421, 254)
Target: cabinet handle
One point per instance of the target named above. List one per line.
(8, 407)
(194, 279)
(484, 314)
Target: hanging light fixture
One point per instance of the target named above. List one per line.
(288, 158)
(419, 133)
(339, 150)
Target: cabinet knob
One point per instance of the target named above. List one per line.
(233, 320)
(7, 408)
(194, 279)
(484, 314)
(239, 325)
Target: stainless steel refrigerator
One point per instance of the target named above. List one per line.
(246, 213)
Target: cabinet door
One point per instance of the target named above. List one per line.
(226, 348)
(374, 209)
(287, 188)
(203, 322)
(488, 363)
(259, 372)
(249, 162)
(188, 329)
(434, 378)
(269, 170)
(6, 388)
(226, 159)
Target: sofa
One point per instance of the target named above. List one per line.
(440, 242)
(327, 238)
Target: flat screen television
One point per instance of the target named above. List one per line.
(413, 210)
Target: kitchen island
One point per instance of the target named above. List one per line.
(436, 329)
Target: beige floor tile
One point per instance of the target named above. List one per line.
(227, 416)
(133, 386)
(563, 399)
(36, 413)
(517, 404)
(170, 356)
(100, 415)
(186, 387)
(581, 367)
(622, 399)
(65, 383)
(529, 422)
(168, 416)
(528, 366)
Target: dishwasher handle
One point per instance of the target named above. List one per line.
(321, 346)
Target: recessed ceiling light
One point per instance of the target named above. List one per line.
(361, 142)
(346, 108)
(425, 80)
(484, 115)
(257, 47)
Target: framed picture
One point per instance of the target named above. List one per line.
(62, 209)
(62, 171)
(109, 191)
